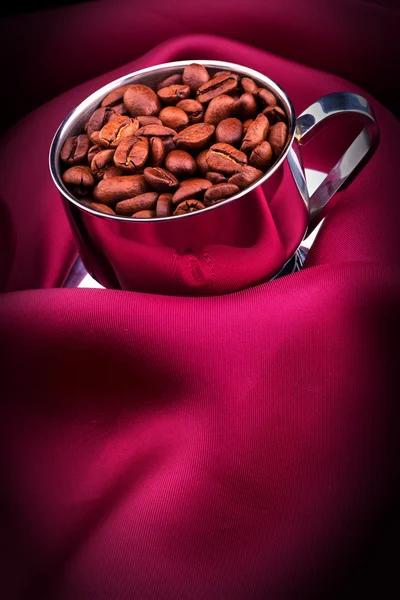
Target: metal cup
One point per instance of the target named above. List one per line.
(245, 240)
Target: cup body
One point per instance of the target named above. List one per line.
(240, 242)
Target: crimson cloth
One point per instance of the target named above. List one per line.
(235, 447)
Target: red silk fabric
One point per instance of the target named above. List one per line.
(241, 446)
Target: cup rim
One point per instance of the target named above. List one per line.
(93, 100)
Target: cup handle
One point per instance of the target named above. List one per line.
(310, 122)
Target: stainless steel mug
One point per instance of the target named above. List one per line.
(243, 241)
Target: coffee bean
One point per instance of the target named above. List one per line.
(157, 152)
(277, 137)
(215, 177)
(112, 171)
(115, 97)
(144, 214)
(145, 201)
(145, 120)
(132, 153)
(267, 98)
(191, 188)
(202, 163)
(245, 177)
(75, 149)
(114, 189)
(249, 85)
(160, 179)
(194, 137)
(181, 164)
(99, 118)
(174, 93)
(225, 159)
(275, 114)
(219, 73)
(246, 107)
(174, 117)
(255, 134)
(141, 100)
(193, 109)
(229, 131)
(219, 108)
(218, 191)
(103, 208)
(246, 125)
(188, 206)
(100, 161)
(217, 86)
(261, 156)
(176, 78)
(164, 206)
(145, 145)
(78, 175)
(194, 76)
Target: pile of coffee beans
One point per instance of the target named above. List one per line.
(194, 141)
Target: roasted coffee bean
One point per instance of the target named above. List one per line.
(246, 125)
(174, 117)
(249, 85)
(245, 107)
(112, 171)
(275, 114)
(164, 206)
(220, 108)
(174, 93)
(157, 152)
(160, 179)
(145, 201)
(218, 191)
(181, 164)
(225, 159)
(171, 80)
(245, 177)
(222, 84)
(195, 137)
(145, 120)
(193, 109)
(144, 214)
(75, 149)
(229, 131)
(114, 131)
(194, 76)
(202, 163)
(115, 97)
(156, 131)
(261, 156)
(267, 98)
(119, 109)
(188, 206)
(78, 175)
(255, 134)
(100, 162)
(277, 137)
(219, 73)
(99, 118)
(215, 177)
(132, 153)
(191, 188)
(103, 208)
(114, 189)
(141, 100)
(93, 150)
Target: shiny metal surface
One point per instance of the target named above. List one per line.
(309, 123)
(194, 254)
